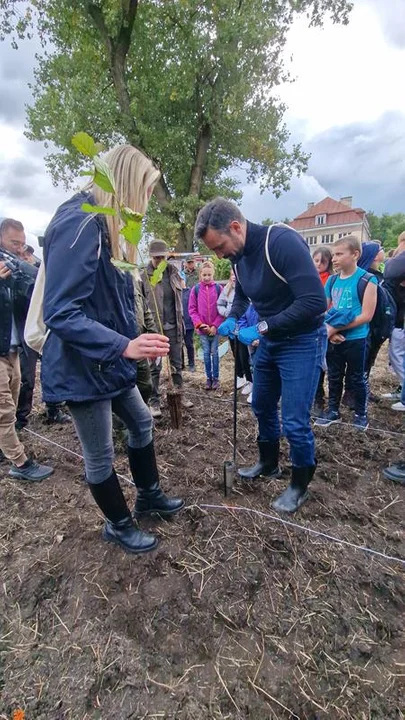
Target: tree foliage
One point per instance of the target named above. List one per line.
(386, 228)
(192, 83)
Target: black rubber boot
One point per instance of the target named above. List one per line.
(151, 499)
(296, 494)
(119, 528)
(267, 464)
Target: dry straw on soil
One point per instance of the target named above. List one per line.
(233, 616)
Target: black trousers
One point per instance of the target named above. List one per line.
(242, 359)
(189, 343)
(347, 360)
(28, 364)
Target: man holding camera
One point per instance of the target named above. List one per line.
(15, 292)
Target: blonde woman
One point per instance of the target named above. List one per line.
(89, 358)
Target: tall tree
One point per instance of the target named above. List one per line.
(192, 83)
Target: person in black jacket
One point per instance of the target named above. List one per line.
(274, 270)
(89, 357)
(16, 283)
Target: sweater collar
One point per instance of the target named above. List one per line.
(254, 233)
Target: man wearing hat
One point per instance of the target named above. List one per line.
(169, 306)
(191, 273)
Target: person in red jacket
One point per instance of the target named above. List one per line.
(322, 258)
(202, 306)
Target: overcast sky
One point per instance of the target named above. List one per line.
(346, 107)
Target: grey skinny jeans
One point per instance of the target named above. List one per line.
(93, 424)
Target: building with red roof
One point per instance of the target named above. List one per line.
(328, 220)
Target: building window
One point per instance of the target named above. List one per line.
(342, 235)
(320, 220)
(327, 239)
(312, 239)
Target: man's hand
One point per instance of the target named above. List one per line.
(249, 335)
(330, 330)
(337, 338)
(148, 345)
(227, 328)
(4, 271)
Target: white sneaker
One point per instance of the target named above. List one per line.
(395, 395)
(249, 398)
(247, 389)
(241, 382)
(398, 406)
(155, 411)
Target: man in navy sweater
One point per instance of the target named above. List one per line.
(274, 269)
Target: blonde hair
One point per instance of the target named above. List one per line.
(207, 264)
(134, 174)
(352, 241)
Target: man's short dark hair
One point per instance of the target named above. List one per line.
(218, 215)
(9, 223)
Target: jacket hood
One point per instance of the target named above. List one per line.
(369, 253)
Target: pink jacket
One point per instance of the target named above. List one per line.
(202, 305)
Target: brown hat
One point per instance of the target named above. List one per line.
(158, 247)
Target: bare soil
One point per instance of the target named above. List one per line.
(234, 615)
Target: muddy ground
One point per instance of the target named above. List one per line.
(234, 615)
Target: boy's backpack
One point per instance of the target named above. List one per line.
(218, 288)
(383, 320)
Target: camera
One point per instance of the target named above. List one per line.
(22, 272)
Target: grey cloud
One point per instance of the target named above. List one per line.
(365, 160)
(16, 72)
(25, 181)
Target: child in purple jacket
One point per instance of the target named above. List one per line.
(202, 307)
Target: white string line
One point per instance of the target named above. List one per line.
(71, 452)
(316, 533)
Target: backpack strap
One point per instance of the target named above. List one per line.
(267, 251)
(362, 283)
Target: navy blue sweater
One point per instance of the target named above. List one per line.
(289, 308)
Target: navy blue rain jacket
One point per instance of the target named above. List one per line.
(88, 308)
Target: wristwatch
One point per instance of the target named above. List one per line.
(262, 327)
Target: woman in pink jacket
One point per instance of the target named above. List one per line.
(202, 306)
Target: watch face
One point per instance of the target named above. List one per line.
(262, 326)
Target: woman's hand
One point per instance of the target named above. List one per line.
(148, 345)
(204, 328)
(212, 331)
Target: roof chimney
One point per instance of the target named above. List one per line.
(310, 205)
(347, 200)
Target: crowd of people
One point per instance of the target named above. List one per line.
(294, 323)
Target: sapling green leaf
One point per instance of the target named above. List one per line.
(129, 215)
(99, 209)
(132, 232)
(103, 176)
(123, 264)
(157, 274)
(84, 144)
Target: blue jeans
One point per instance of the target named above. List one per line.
(289, 369)
(211, 358)
(93, 424)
